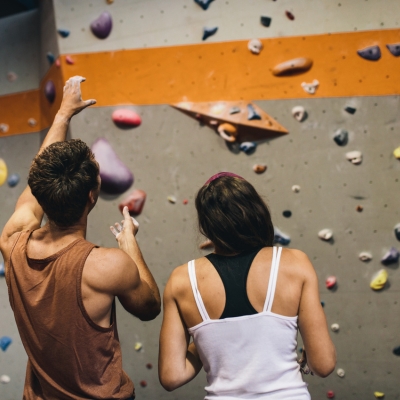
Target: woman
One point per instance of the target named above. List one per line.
(242, 305)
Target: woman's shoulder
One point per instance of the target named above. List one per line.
(297, 262)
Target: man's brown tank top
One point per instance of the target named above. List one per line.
(69, 356)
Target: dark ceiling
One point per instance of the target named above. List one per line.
(11, 7)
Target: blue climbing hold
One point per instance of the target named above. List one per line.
(265, 21)
(207, 32)
(2, 269)
(394, 49)
(50, 57)
(280, 237)
(391, 257)
(322, 303)
(248, 147)
(252, 113)
(396, 351)
(5, 341)
(63, 32)
(372, 53)
(13, 180)
(204, 4)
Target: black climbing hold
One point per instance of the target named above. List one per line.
(252, 113)
(350, 110)
(394, 49)
(234, 110)
(265, 21)
(207, 32)
(396, 351)
(204, 4)
(63, 32)
(341, 137)
(372, 53)
(397, 231)
(50, 57)
(322, 303)
(287, 213)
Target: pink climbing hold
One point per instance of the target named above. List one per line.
(330, 282)
(58, 63)
(134, 202)
(50, 91)
(69, 60)
(101, 27)
(125, 118)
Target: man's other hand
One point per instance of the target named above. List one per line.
(129, 226)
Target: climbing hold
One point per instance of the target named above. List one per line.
(207, 32)
(125, 118)
(58, 63)
(63, 32)
(294, 66)
(116, 178)
(13, 180)
(359, 208)
(149, 365)
(355, 157)
(287, 213)
(228, 132)
(12, 76)
(396, 351)
(207, 244)
(3, 171)
(394, 49)
(248, 147)
(330, 394)
(234, 110)
(289, 15)
(397, 231)
(109, 1)
(335, 327)
(310, 88)
(325, 234)
(365, 256)
(265, 21)
(4, 128)
(5, 341)
(341, 137)
(396, 153)
(50, 57)
(101, 26)
(340, 372)
(255, 46)
(2, 269)
(69, 60)
(135, 202)
(204, 4)
(138, 346)
(280, 237)
(322, 303)
(299, 113)
(143, 383)
(330, 282)
(5, 379)
(372, 53)
(379, 395)
(259, 168)
(390, 257)
(350, 110)
(296, 188)
(185, 201)
(32, 122)
(252, 114)
(171, 199)
(50, 91)
(379, 280)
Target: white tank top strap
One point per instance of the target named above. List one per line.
(195, 289)
(273, 276)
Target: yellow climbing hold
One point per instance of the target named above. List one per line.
(397, 153)
(379, 395)
(379, 280)
(3, 171)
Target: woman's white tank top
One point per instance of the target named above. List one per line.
(249, 357)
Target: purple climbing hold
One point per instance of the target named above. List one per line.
(116, 178)
(252, 113)
(204, 4)
(207, 32)
(5, 341)
(13, 180)
(63, 32)
(396, 351)
(391, 257)
(372, 53)
(265, 21)
(50, 57)
(50, 91)
(101, 27)
(394, 49)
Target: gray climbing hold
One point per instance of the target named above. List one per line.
(350, 110)
(50, 57)
(397, 231)
(280, 237)
(372, 53)
(50, 91)
(248, 147)
(63, 32)
(265, 21)
(2, 269)
(5, 341)
(207, 32)
(394, 49)
(396, 351)
(101, 26)
(391, 257)
(341, 137)
(252, 114)
(234, 110)
(13, 180)
(204, 4)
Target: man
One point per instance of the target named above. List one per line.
(62, 288)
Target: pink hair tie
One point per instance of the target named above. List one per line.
(216, 176)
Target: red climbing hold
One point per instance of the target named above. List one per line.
(330, 282)
(149, 365)
(143, 383)
(134, 202)
(126, 118)
(289, 15)
(185, 201)
(330, 394)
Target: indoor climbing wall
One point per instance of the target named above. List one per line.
(324, 154)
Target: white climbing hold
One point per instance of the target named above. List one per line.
(365, 256)
(296, 188)
(171, 199)
(255, 46)
(32, 122)
(355, 157)
(5, 379)
(310, 88)
(299, 113)
(335, 327)
(340, 372)
(4, 128)
(325, 234)
(12, 76)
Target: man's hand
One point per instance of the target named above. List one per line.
(129, 226)
(72, 102)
